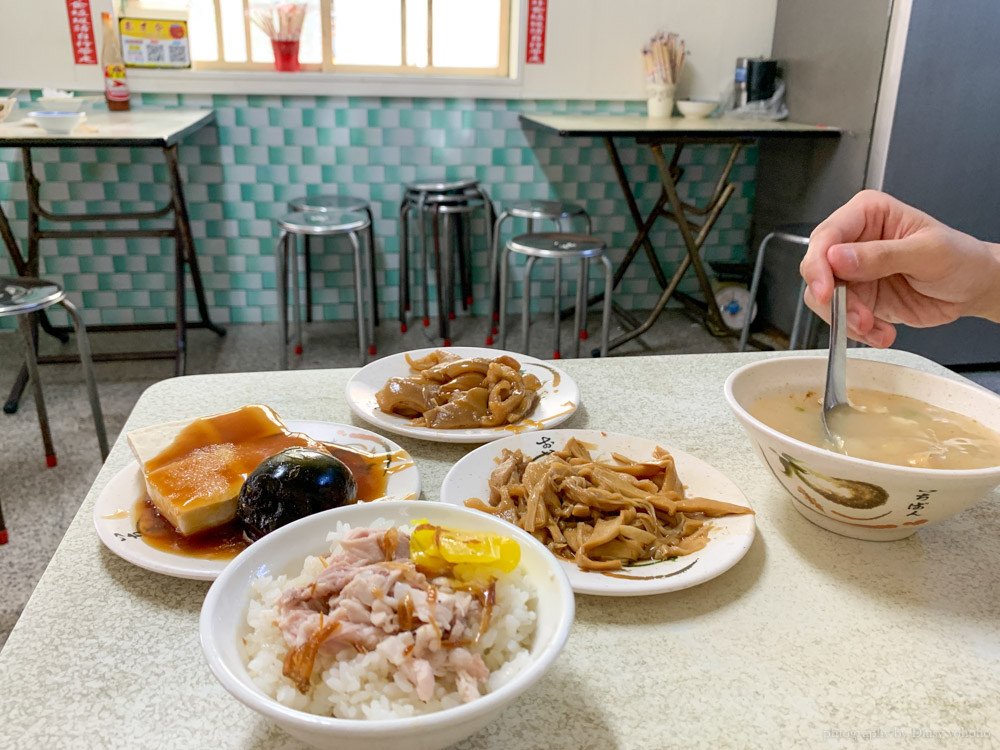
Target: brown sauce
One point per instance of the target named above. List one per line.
(371, 472)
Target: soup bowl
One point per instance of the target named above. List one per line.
(223, 626)
(852, 496)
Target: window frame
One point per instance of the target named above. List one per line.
(501, 71)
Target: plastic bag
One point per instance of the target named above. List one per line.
(762, 109)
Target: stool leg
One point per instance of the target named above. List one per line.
(758, 268)
(439, 271)
(3, 528)
(793, 341)
(445, 279)
(293, 266)
(404, 264)
(372, 285)
(307, 263)
(424, 255)
(493, 310)
(526, 304)
(580, 318)
(556, 353)
(24, 322)
(504, 272)
(359, 292)
(83, 344)
(465, 255)
(372, 317)
(606, 317)
(281, 280)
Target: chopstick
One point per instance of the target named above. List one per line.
(663, 58)
(282, 22)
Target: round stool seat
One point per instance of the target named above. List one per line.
(324, 203)
(19, 296)
(441, 186)
(323, 223)
(557, 245)
(544, 210)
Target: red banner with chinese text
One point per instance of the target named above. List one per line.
(81, 32)
(537, 12)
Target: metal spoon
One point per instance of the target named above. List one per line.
(835, 396)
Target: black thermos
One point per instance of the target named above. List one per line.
(760, 79)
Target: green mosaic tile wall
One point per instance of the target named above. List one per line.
(265, 150)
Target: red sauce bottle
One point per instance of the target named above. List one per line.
(115, 83)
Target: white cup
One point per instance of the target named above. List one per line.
(660, 103)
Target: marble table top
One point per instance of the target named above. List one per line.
(640, 126)
(137, 127)
(812, 640)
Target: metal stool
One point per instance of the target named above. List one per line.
(533, 211)
(323, 204)
(442, 200)
(328, 224)
(559, 247)
(797, 234)
(24, 297)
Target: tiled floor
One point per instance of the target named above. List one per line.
(39, 503)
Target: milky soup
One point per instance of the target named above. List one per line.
(885, 427)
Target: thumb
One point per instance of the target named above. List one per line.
(870, 261)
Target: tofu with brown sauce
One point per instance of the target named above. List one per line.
(194, 469)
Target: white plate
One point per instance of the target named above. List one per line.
(729, 538)
(560, 396)
(116, 527)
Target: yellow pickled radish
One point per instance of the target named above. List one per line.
(436, 547)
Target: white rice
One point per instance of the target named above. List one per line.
(366, 686)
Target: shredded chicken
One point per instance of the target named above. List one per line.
(451, 392)
(371, 595)
(601, 515)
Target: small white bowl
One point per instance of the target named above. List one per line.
(223, 621)
(893, 502)
(57, 122)
(61, 103)
(696, 109)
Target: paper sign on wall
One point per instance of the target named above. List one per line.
(537, 12)
(152, 43)
(81, 32)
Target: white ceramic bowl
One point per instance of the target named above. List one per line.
(892, 502)
(61, 103)
(223, 620)
(57, 122)
(697, 109)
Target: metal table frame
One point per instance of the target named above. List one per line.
(184, 249)
(670, 207)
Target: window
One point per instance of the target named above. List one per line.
(419, 37)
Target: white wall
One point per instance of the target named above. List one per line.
(593, 52)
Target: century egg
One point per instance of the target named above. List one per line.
(292, 484)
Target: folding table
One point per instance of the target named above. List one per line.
(141, 128)
(677, 132)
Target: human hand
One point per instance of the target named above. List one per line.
(901, 266)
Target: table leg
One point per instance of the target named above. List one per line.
(699, 240)
(714, 316)
(32, 263)
(180, 363)
(183, 227)
(633, 209)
